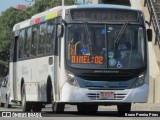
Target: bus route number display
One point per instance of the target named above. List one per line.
(104, 15)
(87, 59)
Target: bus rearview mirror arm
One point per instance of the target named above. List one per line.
(149, 32)
(149, 35)
(60, 31)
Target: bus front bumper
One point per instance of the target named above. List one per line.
(71, 94)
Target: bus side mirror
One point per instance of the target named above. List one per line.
(60, 31)
(149, 34)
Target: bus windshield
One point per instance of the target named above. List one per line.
(95, 46)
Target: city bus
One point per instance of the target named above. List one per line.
(84, 55)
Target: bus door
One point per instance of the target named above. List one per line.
(15, 67)
(57, 60)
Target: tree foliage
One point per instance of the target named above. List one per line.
(12, 16)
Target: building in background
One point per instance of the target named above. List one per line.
(21, 7)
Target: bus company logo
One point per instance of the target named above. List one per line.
(6, 114)
(106, 71)
(20, 114)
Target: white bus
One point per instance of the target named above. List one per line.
(85, 55)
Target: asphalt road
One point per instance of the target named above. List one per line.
(70, 113)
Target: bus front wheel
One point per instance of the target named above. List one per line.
(89, 109)
(58, 107)
(37, 107)
(124, 108)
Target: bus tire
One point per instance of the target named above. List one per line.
(81, 108)
(37, 107)
(49, 91)
(124, 108)
(1, 104)
(26, 106)
(87, 109)
(58, 107)
(92, 109)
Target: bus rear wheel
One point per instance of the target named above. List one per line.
(124, 108)
(1, 104)
(26, 106)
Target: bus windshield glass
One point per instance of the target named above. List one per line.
(101, 46)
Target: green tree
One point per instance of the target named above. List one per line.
(12, 16)
(7, 20)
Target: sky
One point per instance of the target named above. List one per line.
(5, 4)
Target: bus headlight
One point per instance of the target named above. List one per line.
(140, 80)
(71, 79)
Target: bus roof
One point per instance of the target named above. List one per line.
(48, 11)
(22, 24)
(51, 13)
(134, 5)
(46, 14)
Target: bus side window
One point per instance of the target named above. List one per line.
(21, 44)
(27, 42)
(42, 38)
(35, 37)
(50, 37)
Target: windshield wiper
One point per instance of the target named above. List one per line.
(88, 37)
(121, 32)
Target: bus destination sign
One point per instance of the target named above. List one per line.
(107, 15)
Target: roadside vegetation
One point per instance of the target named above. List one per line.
(12, 16)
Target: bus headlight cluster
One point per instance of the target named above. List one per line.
(140, 80)
(71, 79)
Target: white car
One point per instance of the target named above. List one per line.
(5, 93)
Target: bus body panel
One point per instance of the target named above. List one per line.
(35, 73)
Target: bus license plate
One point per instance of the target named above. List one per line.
(106, 95)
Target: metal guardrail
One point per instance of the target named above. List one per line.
(153, 19)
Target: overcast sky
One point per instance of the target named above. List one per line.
(5, 4)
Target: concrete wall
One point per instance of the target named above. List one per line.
(154, 71)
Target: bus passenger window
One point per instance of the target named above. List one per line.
(21, 44)
(35, 37)
(42, 37)
(27, 42)
(50, 37)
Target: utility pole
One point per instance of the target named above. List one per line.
(62, 2)
(83, 1)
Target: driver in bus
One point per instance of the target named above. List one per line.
(124, 51)
(129, 57)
